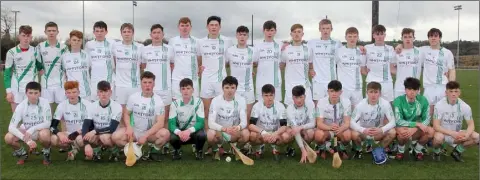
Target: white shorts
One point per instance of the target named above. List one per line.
(289, 98)
(210, 89)
(319, 90)
(387, 91)
(434, 93)
(176, 89)
(56, 95)
(18, 97)
(122, 94)
(165, 95)
(138, 134)
(355, 96)
(258, 94)
(248, 95)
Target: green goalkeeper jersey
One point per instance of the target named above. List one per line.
(407, 114)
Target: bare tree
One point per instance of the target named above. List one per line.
(7, 20)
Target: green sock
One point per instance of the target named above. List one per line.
(341, 147)
(97, 150)
(369, 142)
(436, 150)
(401, 148)
(459, 148)
(444, 146)
(357, 147)
(322, 147)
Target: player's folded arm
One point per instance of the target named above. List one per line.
(15, 121)
(108, 130)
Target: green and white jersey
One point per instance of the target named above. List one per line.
(323, 57)
(241, 66)
(33, 116)
(101, 55)
(158, 59)
(128, 59)
(186, 115)
(303, 116)
(20, 68)
(333, 113)
(225, 113)
(267, 54)
(50, 57)
(102, 116)
(185, 58)
(436, 62)
(269, 117)
(296, 59)
(349, 61)
(213, 52)
(73, 114)
(409, 64)
(144, 111)
(366, 115)
(378, 62)
(77, 68)
(451, 116)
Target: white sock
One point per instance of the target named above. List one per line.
(418, 148)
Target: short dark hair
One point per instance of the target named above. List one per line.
(51, 24)
(186, 82)
(230, 80)
(335, 85)
(104, 86)
(33, 86)
(155, 26)
(214, 18)
(408, 31)
(351, 30)
(269, 25)
(433, 32)
(148, 75)
(268, 88)
(25, 29)
(374, 86)
(100, 25)
(412, 83)
(378, 29)
(298, 91)
(453, 85)
(243, 29)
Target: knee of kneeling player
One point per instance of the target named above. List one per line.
(438, 138)
(44, 135)
(201, 135)
(391, 133)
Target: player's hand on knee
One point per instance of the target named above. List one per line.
(89, 136)
(63, 139)
(422, 127)
(376, 131)
(461, 136)
(142, 140)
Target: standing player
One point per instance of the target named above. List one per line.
(21, 67)
(447, 122)
(228, 119)
(379, 61)
(267, 58)
(35, 114)
(298, 65)
(369, 121)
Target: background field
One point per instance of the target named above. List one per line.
(266, 168)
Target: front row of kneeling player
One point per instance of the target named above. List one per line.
(101, 125)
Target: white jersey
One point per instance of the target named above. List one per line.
(20, 68)
(366, 115)
(127, 64)
(408, 65)
(144, 111)
(378, 62)
(302, 116)
(158, 59)
(267, 54)
(269, 117)
(103, 65)
(33, 116)
(241, 66)
(349, 61)
(213, 53)
(186, 115)
(73, 114)
(333, 113)
(102, 116)
(77, 68)
(50, 57)
(323, 57)
(435, 64)
(451, 116)
(227, 113)
(185, 58)
(296, 59)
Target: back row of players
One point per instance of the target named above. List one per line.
(120, 64)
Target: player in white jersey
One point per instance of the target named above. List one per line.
(447, 121)
(379, 61)
(127, 55)
(349, 61)
(298, 65)
(105, 115)
(21, 67)
(50, 53)
(407, 64)
(333, 120)
(185, 57)
(240, 59)
(35, 114)
(76, 64)
(372, 120)
(227, 118)
(301, 118)
(267, 58)
(144, 118)
(100, 51)
(268, 122)
(71, 114)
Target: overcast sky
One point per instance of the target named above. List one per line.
(420, 16)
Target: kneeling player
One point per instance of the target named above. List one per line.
(333, 119)
(105, 115)
(447, 122)
(268, 122)
(227, 117)
(36, 116)
(412, 119)
(186, 121)
(144, 119)
(368, 121)
(71, 113)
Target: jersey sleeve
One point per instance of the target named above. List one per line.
(321, 110)
(172, 118)
(59, 111)
(255, 110)
(256, 54)
(347, 108)
(116, 112)
(387, 110)
(311, 111)
(199, 47)
(425, 112)
(16, 120)
(290, 116)
(7, 74)
(282, 112)
(391, 54)
(200, 113)
(363, 60)
(159, 107)
(243, 113)
(450, 61)
(466, 112)
(212, 117)
(356, 115)
(284, 58)
(171, 54)
(130, 102)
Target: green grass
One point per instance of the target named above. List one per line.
(266, 168)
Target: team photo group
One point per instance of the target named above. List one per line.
(124, 101)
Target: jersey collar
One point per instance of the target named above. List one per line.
(190, 102)
(448, 102)
(79, 100)
(48, 45)
(108, 104)
(38, 102)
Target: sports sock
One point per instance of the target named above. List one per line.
(414, 141)
(341, 146)
(401, 148)
(357, 147)
(436, 150)
(20, 151)
(459, 148)
(46, 150)
(418, 148)
(322, 147)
